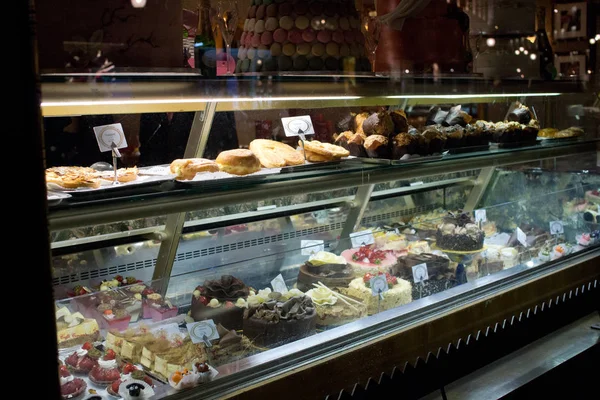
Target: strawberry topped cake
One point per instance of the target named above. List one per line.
(399, 292)
(70, 387)
(369, 259)
(106, 371)
(83, 360)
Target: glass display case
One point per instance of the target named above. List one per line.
(220, 237)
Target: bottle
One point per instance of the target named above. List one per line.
(545, 54)
(205, 53)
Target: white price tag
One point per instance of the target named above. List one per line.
(263, 208)
(362, 238)
(521, 237)
(310, 247)
(379, 285)
(598, 208)
(202, 331)
(298, 126)
(416, 183)
(278, 284)
(420, 273)
(480, 216)
(557, 228)
(106, 135)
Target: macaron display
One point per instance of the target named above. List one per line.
(295, 36)
(280, 35)
(302, 22)
(271, 24)
(324, 36)
(266, 38)
(286, 22)
(259, 27)
(289, 49)
(271, 10)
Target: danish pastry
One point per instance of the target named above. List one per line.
(187, 168)
(273, 154)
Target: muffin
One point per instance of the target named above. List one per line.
(377, 146)
(474, 136)
(400, 121)
(358, 122)
(378, 124)
(522, 114)
(455, 136)
(456, 117)
(353, 142)
(436, 116)
(402, 144)
(437, 140)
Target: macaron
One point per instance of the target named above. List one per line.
(243, 37)
(315, 64)
(260, 11)
(280, 35)
(263, 51)
(349, 37)
(338, 36)
(259, 27)
(249, 37)
(286, 22)
(267, 2)
(317, 49)
(354, 50)
(272, 10)
(302, 22)
(324, 36)
(238, 66)
(251, 54)
(295, 36)
(251, 24)
(359, 37)
(344, 50)
(270, 64)
(252, 12)
(285, 63)
(289, 49)
(300, 63)
(331, 63)
(245, 67)
(317, 23)
(331, 23)
(275, 49)
(285, 9)
(246, 25)
(316, 8)
(344, 23)
(308, 35)
(354, 23)
(271, 24)
(266, 38)
(330, 9)
(303, 49)
(332, 49)
(301, 7)
(256, 40)
(242, 53)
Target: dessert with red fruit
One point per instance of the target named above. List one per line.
(70, 387)
(157, 307)
(106, 371)
(130, 372)
(222, 300)
(398, 293)
(369, 259)
(114, 316)
(84, 359)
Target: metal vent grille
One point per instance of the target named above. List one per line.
(400, 213)
(103, 272)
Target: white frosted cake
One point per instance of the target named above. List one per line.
(399, 293)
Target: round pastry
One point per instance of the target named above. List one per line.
(260, 11)
(266, 38)
(324, 36)
(315, 63)
(271, 24)
(285, 62)
(331, 63)
(325, 149)
(301, 62)
(289, 49)
(251, 53)
(263, 52)
(308, 35)
(280, 35)
(318, 49)
(245, 65)
(238, 162)
(248, 40)
(344, 23)
(332, 49)
(338, 36)
(331, 24)
(295, 36)
(302, 22)
(286, 22)
(344, 50)
(349, 37)
(276, 49)
(252, 12)
(273, 154)
(70, 387)
(303, 49)
(256, 39)
(272, 10)
(259, 27)
(251, 24)
(106, 371)
(187, 168)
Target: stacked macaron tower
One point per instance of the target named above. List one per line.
(302, 35)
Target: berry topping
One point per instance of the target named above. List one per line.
(115, 386)
(119, 278)
(86, 346)
(147, 291)
(129, 368)
(64, 372)
(369, 254)
(201, 367)
(110, 355)
(229, 304)
(391, 280)
(203, 300)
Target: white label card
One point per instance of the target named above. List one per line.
(310, 247)
(599, 208)
(416, 183)
(521, 237)
(202, 330)
(557, 228)
(420, 273)
(263, 208)
(106, 135)
(480, 216)
(379, 285)
(297, 126)
(362, 238)
(279, 285)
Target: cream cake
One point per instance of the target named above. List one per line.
(73, 329)
(399, 293)
(334, 309)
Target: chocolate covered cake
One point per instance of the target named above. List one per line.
(324, 267)
(438, 269)
(222, 300)
(458, 232)
(275, 319)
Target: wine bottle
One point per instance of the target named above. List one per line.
(545, 53)
(205, 52)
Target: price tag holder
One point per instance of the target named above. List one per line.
(298, 126)
(557, 228)
(379, 285)
(416, 183)
(263, 208)
(310, 247)
(203, 332)
(480, 216)
(521, 237)
(279, 285)
(420, 273)
(362, 238)
(110, 137)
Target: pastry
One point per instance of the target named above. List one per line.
(326, 149)
(547, 133)
(273, 318)
(334, 309)
(70, 387)
(435, 139)
(327, 268)
(185, 378)
(521, 114)
(458, 232)
(398, 293)
(230, 347)
(403, 144)
(455, 136)
(157, 307)
(438, 269)
(353, 142)
(221, 300)
(84, 359)
(273, 154)
(130, 373)
(399, 120)
(378, 124)
(187, 168)
(377, 146)
(436, 116)
(238, 162)
(106, 371)
(73, 177)
(180, 356)
(368, 259)
(456, 116)
(74, 328)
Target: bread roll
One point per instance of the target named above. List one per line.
(273, 154)
(238, 162)
(187, 168)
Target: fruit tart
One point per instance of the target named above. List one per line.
(184, 379)
(130, 372)
(83, 360)
(107, 369)
(70, 387)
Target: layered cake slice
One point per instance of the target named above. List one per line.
(368, 259)
(178, 358)
(325, 267)
(334, 309)
(73, 329)
(399, 293)
(438, 269)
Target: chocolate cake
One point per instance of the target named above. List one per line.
(458, 232)
(331, 275)
(278, 321)
(219, 300)
(438, 269)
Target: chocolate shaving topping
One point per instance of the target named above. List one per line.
(274, 311)
(226, 288)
